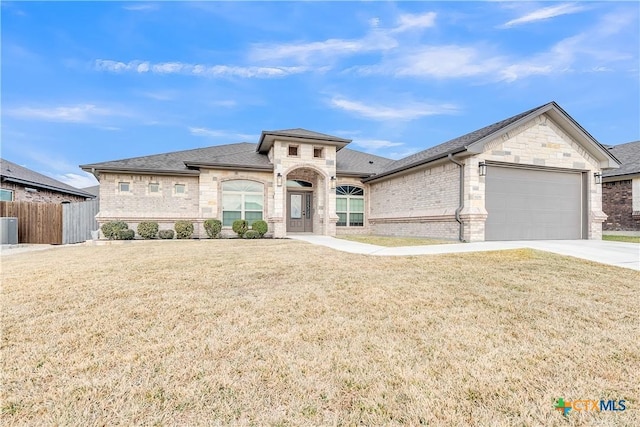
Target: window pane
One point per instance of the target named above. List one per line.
(229, 216)
(180, 188)
(124, 186)
(252, 217)
(342, 219)
(356, 205)
(296, 206)
(356, 219)
(6, 195)
(232, 202)
(242, 185)
(154, 188)
(253, 202)
(341, 204)
(293, 150)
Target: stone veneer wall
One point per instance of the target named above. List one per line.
(164, 207)
(617, 203)
(421, 203)
(41, 196)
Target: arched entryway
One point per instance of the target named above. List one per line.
(305, 201)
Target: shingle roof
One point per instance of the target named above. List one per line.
(629, 156)
(241, 155)
(357, 162)
(12, 172)
(453, 146)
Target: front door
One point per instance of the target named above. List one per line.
(299, 217)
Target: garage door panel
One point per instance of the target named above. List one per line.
(524, 204)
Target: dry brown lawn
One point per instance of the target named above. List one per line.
(275, 332)
(390, 241)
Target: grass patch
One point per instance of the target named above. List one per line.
(278, 332)
(628, 239)
(390, 241)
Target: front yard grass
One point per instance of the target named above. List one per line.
(394, 241)
(279, 332)
(628, 239)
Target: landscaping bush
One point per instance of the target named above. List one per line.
(213, 227)
(184, 229)
(148, 229)
(112, 228)
(240, 226)
(165, 234)
(126, 234)
(251, 234)
(260, 226)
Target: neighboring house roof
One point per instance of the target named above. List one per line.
(95, 190)
(474, 141)
(629, 156)
(11, 172)
(230, 156)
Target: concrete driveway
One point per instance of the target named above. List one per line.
(619, 254)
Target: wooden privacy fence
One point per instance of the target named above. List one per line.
(52, 223)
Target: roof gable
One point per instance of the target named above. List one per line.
(12, 172)
(473, 142)
(303, 135)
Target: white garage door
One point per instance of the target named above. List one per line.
(528, 204)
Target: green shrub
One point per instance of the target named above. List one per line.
(240, 226)
(111, 229)
(126, 234)
(260, 226)
(251, 234)
(184, 229)
(165, 234)
(213, 227)
(148, 229)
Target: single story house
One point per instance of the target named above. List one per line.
(535, 175)
(621, 190)
(18, 183)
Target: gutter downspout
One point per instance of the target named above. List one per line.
(461, 201)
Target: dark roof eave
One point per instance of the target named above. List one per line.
(144, 171)
(47, 187)
(414, 165)
(617, 177)
(354, 174)
(229, 166)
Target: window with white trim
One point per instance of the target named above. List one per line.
(154, 187)
(350, 206)
(124, 187)
(180, 188)
(6, 195)
(242, 199)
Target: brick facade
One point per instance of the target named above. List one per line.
(39, 196)
(617, 203)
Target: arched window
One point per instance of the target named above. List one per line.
(242, 199)
(350, 206)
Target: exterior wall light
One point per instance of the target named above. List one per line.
(279, 179)
(597, 177)
(333, 182)
(482, 169)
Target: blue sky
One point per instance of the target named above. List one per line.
(96, 81)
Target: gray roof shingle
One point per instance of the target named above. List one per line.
(304, 133)
(239, 155)
(13, 172)
(629, 156)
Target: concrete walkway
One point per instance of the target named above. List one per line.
(619, 254)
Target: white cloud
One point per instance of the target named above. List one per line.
(217, 133)
(142, 67)
(405, 111)
(82, 113)
(545, 13)
(410, 22)
(376, 144)
(77, 180)
(140, 7)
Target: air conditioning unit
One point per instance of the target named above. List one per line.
(9, 231)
